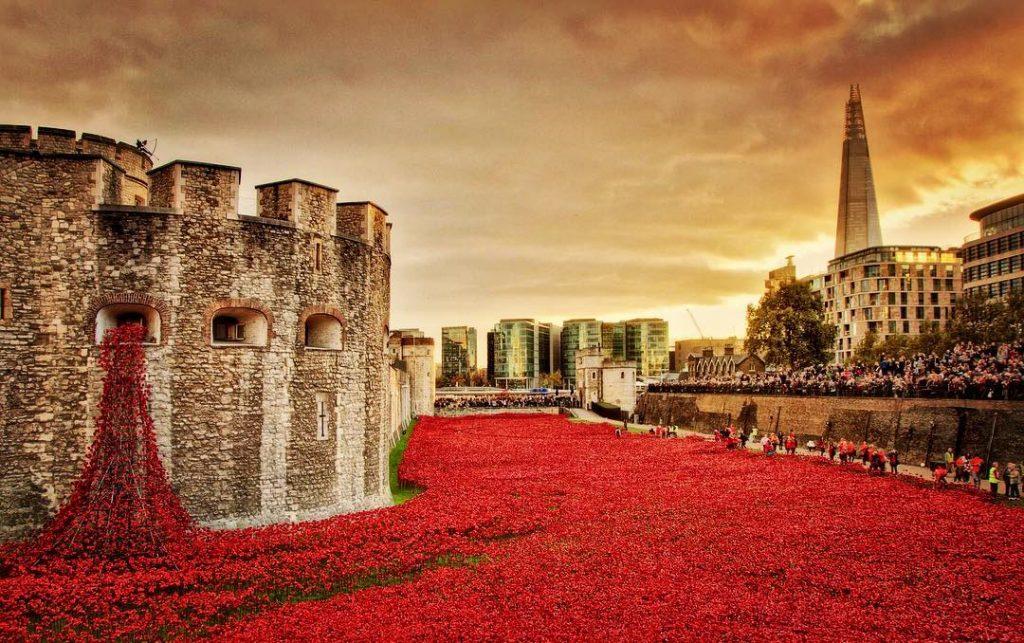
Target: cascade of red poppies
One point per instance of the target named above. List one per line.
(122, 508)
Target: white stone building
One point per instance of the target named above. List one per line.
(601, 379)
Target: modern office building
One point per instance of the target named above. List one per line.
(458, 352)
(576, 335)
(646, 343)
(994, 256)
(857, 225)
(519, 352)
(889, 290)
(613, 340)
(490, 356)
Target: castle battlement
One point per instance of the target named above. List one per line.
(54, 140)
(201, 187)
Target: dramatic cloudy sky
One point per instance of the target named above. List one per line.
(558, 159)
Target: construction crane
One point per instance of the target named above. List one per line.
(695, 324)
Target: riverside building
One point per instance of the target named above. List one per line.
(458, 352)
(994, 256)
(647, 345)
(889, 290)
(577, 335)
(519, 352)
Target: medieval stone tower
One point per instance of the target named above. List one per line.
(267, 333)
(857, 224)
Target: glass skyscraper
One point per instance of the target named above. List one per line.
(647, 344)
(577, 334)
(458, 352)
(613, 340)
(521, 351)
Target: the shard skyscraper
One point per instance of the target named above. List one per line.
(857, 227)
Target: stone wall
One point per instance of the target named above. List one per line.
(251, 434)
(919, 428)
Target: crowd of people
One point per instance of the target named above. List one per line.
(992, 371)
(506, 401)
(966, 468)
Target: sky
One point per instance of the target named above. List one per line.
(558, 159)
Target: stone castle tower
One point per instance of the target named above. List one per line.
(267, 333)
(857, 226)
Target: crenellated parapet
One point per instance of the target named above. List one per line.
(212, 189)
(131, 163)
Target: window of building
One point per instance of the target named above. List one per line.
(115, 315)
(324, 331)
(323, 416)
(318, 256)
(239, 327)
(5, 303)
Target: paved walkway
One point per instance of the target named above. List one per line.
(590, 416)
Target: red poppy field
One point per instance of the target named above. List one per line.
(532, 527)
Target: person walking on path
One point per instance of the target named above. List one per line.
(993, 480)
(948, 458)
(1013, 481)
(976, 472)
(894, 461)
(791, 444)
(960, 470)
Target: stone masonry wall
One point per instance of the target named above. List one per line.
(919, 428)
(237, 425)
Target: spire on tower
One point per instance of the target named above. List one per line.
(857, 226)
(855, 115)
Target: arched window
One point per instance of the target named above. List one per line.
(114, 315)
(324, 331)
(239, 327)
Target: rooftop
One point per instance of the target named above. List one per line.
(981, 213)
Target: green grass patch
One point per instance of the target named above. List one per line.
(401, 492)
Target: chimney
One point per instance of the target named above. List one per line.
(730, 349)
(708, 352)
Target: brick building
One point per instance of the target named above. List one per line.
(266, 348)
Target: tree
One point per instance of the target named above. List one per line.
(980, 319)
(932, 339)
(789, 327)
(868, 350)
(478, 377)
